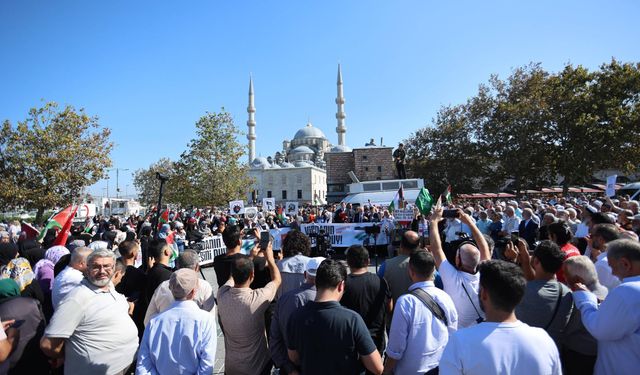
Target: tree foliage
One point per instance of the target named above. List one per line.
(208, 173)
(48, 159)
(533, 128)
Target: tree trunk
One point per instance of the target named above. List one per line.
(39, 214)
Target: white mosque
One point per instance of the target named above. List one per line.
(298, 171)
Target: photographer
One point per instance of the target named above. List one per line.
(461, 281)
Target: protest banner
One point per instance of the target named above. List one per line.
(209, 248)
(403, 216)
(236, 207)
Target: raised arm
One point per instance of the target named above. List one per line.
(485, 252)
(273, 267)
(525, 260)
(434, 234)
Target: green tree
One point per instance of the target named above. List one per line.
(212, 164)
(512, 127)
(148, 185)
(447, 152)
(48, 159)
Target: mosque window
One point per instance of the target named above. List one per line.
(284, 194)
(299, 194)
(268, 193)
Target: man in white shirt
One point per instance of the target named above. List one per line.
(616, 322)
(461, 281)
(92, 328)
(601, 236)
(71, 276)
(502, 344)
(162, 297)
(418, 335)
(511, 222)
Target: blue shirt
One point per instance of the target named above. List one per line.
(616, 326)
(181, 340)
(417, 338)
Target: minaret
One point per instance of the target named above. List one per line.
(251, 123)
(340, 116)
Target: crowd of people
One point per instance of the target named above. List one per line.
(534, 286)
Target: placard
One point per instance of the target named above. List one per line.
(251, 213)
(209, 248)
(291, 208)
(403, 216)
(268, 204)
(236, 207)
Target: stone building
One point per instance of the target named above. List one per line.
(296, 172)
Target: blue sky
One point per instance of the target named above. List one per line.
(150, 69)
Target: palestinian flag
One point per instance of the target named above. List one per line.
(29, 231)
(397, 202)
(61, 240)
(58, 220)
(447, 195)
(424, 202)
(164, 218)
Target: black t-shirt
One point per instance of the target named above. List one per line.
(156, 275)
(222, 265)
(329, 339)
(368, 295)
(132, 283)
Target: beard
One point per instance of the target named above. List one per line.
(99, 282)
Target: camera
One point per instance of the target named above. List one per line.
(450, 214)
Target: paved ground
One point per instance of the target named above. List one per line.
(210, 276)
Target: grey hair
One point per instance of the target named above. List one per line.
(79, 254)
(624, 248)
(188, 259)
(469, 256)
(100, 253)
(584, 268)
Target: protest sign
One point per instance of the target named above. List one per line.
(209, 248)
(403, 215)
(291, 208)
(251, 213)
(268, 204)
(236, 207)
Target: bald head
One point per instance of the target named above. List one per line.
(409, 242)
(79, 258)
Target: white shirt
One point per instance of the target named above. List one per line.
(417, 338)
(605, 275)
(100, 336)
(162, 299)
(65, 282)
(501, 348)
(453, 279)
(511, 224)
(616, 326)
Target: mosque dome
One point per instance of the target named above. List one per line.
(302, 163)
(260, 163)
(287, 165)
(340, 148)
(302, 150)
(309, 131)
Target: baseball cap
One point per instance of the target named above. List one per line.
(313, 264)
(636, 217)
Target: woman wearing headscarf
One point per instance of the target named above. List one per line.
(44, 272)
(20, 271)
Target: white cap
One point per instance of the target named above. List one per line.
(313, 264)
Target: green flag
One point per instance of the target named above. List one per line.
(424, 202)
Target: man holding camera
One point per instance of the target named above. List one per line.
(462, 280)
